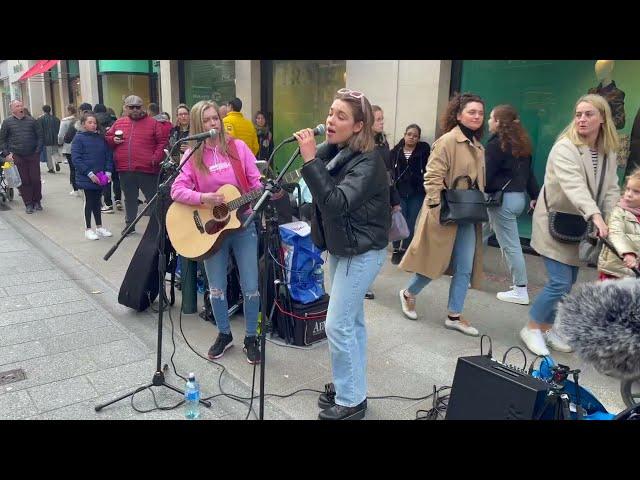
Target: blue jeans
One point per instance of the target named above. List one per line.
(345, 327)
(504, 220)
(411, 206)
(561, 279)
(464, 249)
(244, 243)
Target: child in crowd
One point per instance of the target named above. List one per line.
(624, 233)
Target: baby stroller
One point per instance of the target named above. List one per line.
(6, 192)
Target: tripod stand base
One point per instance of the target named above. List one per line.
(158, 381)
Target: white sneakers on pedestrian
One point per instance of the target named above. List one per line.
(534, 340)
(537, 341)
(408, 306)
(556, 342)
(74, 193)
(103, 232)
(461, 327)
(517, 295)
(90, 235)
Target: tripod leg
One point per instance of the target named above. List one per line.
(100, 407)
(204, 402)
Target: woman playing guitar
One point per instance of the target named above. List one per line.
(224, 161)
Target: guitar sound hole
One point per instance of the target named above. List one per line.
(221, 213)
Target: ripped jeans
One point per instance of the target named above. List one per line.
(244, 244)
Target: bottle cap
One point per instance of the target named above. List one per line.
(192, 376)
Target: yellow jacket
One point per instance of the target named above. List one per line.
(239, 127)
(624, 233)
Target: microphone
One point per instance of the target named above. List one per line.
(601, 321)
(201, 136)
(319, 130)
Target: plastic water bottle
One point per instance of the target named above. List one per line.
(192, 398)
(318, 277)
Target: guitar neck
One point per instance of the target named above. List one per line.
(251, 196)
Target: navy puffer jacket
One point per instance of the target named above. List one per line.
(90, 153)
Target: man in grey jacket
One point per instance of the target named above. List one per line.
(21, 142)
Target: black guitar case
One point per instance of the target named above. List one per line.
(139, 288)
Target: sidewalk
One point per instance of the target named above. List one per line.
(80, 348)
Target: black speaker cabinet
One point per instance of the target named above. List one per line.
(484, 389)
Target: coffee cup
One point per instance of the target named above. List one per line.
(119, 134)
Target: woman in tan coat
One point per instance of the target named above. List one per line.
(436, 248)
(571, 179)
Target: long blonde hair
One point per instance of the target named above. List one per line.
(607, 141)
(195, 127)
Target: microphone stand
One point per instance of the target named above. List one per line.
(163, 193)
(270, 224)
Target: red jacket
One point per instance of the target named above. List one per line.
(142, 149)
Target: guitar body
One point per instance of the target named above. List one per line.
(196, 231)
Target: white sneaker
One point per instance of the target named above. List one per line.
(75, 193)
(517, 295)
(556, 342)
(103, 232)
(408, 306)
(461, 327)
(90, 235)
(534, 340)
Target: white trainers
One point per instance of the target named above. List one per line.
(103, 232)
(408, 306)
(74, 193)
(517, 295)
(461, 327)
(90, 235)
(556, 342)
(534, 340)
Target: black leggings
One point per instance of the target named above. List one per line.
(72, 172)
(93, 204)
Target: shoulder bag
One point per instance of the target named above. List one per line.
(567, 227)
(459, 206)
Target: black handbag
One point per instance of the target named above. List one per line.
(567, 227)
(462, 206)
(494, 199)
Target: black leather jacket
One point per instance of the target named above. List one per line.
(350, 193)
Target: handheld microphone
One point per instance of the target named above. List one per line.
(602, 322)
(319, 130)
(201, 136)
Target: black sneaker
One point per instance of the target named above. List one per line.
(57, 167)
(107, 209)
(252, 349)
(396, 256)
(29, 209)
(369, 295)
(224, 341)
(37, 206)
(130, 231)
(328, 398)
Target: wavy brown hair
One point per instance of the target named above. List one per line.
(456, 105)
(510, 131)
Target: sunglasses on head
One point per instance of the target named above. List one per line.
(134, 107)
(353, 94)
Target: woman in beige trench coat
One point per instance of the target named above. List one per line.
(436, 248)
(571, 181)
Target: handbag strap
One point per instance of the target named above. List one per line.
(600, 183)
(505, 185)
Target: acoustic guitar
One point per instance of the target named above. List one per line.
(196, 231)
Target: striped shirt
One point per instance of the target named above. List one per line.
(594, 159)
(407, 153)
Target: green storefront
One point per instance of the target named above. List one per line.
(117, 79)
(545, 92)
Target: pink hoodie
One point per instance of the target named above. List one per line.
(191, 181)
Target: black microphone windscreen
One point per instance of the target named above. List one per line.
(601, 321)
